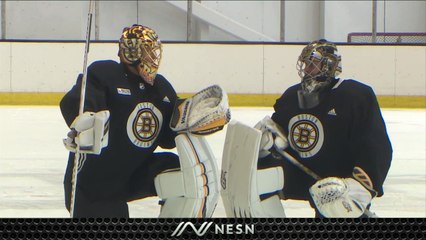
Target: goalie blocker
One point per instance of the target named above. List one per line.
(89, 133)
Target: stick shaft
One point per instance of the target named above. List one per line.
(299, 165)
(86, 54)
(81, 107)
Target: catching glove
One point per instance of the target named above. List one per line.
(340, 197)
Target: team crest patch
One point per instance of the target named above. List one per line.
(306, 134)
(144, 124)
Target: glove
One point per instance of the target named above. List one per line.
(89, 133)
(340, 197)
(202, 114)
(272, 136)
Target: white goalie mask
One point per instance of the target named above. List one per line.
(141, 48)
(318, 64)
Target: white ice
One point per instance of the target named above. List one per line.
(33, 161)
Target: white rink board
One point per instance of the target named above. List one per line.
(33, 160)
(238, 68)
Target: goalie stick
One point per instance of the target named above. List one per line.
(81, 107)
(292, 160)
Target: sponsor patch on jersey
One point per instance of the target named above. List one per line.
(306, 134)
(144, 124)
(123, 91)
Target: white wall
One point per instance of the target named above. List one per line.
(244, 68)
(343, 17)
(304, 20)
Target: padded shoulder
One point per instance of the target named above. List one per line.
(103, 64)
(105, 69)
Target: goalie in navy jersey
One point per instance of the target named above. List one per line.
(129, 111)
(334, 129)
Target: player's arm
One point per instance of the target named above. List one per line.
(372, 146)
(170, 97)
(88, 131)
(95, 99)
(351, 196)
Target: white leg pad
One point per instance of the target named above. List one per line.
(270, 180)
(241, 182)
(193, 191)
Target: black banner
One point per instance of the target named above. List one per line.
(214, 228)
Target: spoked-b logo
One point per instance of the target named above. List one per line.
(210, 227)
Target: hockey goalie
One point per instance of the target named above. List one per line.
(326, 143)
(131, 114)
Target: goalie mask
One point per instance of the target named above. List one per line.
(141, 48)
(318, 64)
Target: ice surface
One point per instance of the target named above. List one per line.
(33, 161)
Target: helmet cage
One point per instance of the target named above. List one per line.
(321, 55)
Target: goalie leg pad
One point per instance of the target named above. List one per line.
(241, 182)
(192, 191)
(270, 180)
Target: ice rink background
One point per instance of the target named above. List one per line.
(33, 160)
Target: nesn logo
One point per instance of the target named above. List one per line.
(123, 91)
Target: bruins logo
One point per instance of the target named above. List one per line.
(144, 124)
(306, 135)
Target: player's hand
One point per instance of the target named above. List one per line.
(69, 142)
(272, 136)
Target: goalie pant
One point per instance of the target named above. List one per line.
(139, 123)
(345, 136)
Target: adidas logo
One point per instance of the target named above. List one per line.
(166, 99)
(332, 112)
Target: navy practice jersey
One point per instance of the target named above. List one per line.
(139, 122)
(344, 136)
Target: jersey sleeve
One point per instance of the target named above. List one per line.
(167, 140)
(281, 108)
(95, 97)
(372, 147)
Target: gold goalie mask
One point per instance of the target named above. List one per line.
(141, 48)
